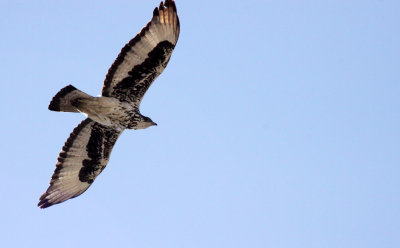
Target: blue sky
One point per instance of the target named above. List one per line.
(278, 126)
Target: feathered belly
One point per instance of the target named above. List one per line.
(109, 111)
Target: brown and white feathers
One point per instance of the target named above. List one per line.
(87, 151)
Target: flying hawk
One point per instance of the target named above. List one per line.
(87, 150)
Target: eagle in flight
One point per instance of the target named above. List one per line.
(86, 152)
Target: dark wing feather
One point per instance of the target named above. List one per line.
(143, 59)
(83, 157)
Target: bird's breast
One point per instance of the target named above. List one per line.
(109, 111)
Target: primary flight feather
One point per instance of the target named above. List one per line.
(87, 150)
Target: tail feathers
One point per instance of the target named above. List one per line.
(64, 100)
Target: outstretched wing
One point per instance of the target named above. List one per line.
(83, 157)
(144, 57)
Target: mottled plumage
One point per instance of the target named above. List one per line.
(87, 151)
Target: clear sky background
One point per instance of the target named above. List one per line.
(278, 126)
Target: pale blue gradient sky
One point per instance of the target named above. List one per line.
(278, 126)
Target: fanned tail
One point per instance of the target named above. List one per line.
(65, 100)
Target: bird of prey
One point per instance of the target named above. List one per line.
(87, 150)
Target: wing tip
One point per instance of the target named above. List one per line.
(43, 202)
(172, 3)
(169, 3)
(43, 205)
(164, 5)
(156, 12)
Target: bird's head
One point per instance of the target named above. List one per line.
(145, 122)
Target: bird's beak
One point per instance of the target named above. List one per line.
(154, 124)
